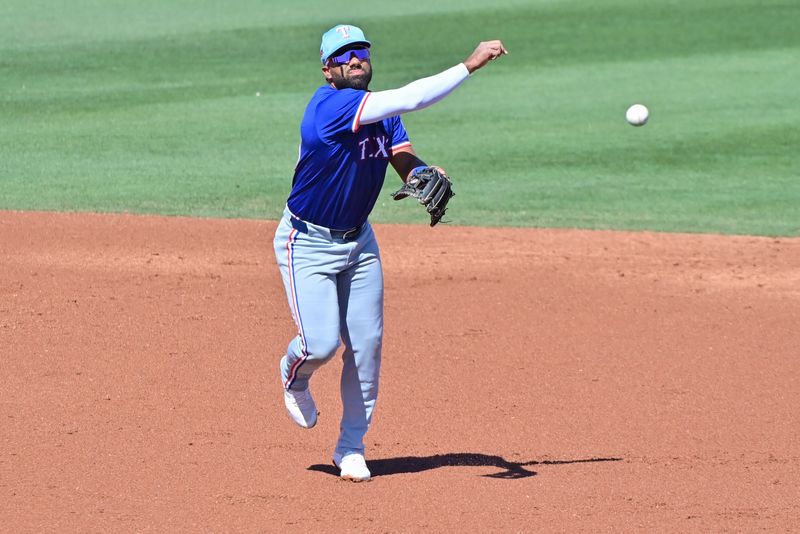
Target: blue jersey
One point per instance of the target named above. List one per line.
(342, 163)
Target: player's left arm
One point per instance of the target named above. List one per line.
(405, 160)
(429, 185)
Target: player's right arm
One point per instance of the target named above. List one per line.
(424, 92)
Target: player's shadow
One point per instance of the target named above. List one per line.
(416, 464)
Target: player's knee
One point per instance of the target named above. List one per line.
(322, 349)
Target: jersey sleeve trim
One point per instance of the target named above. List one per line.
(398, 146)
(357, 119)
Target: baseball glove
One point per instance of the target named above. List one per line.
(431, 187)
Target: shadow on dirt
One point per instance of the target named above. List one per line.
(416, 464)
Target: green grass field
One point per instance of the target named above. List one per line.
(151, 107)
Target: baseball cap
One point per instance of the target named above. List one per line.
(340, 36)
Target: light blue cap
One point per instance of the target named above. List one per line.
(340, 36)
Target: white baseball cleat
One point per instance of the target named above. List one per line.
(301, 407)
(353, 466)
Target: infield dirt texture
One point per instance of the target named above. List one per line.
(533, 380)
(587, 372)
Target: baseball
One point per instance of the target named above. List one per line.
(637, 115)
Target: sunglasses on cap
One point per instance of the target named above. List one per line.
(360, 53)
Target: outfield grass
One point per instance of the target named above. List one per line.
(152, 107)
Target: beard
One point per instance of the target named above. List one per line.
(358, 81)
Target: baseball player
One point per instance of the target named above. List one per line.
(324, 245)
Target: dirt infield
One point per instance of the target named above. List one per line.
(533, 380)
